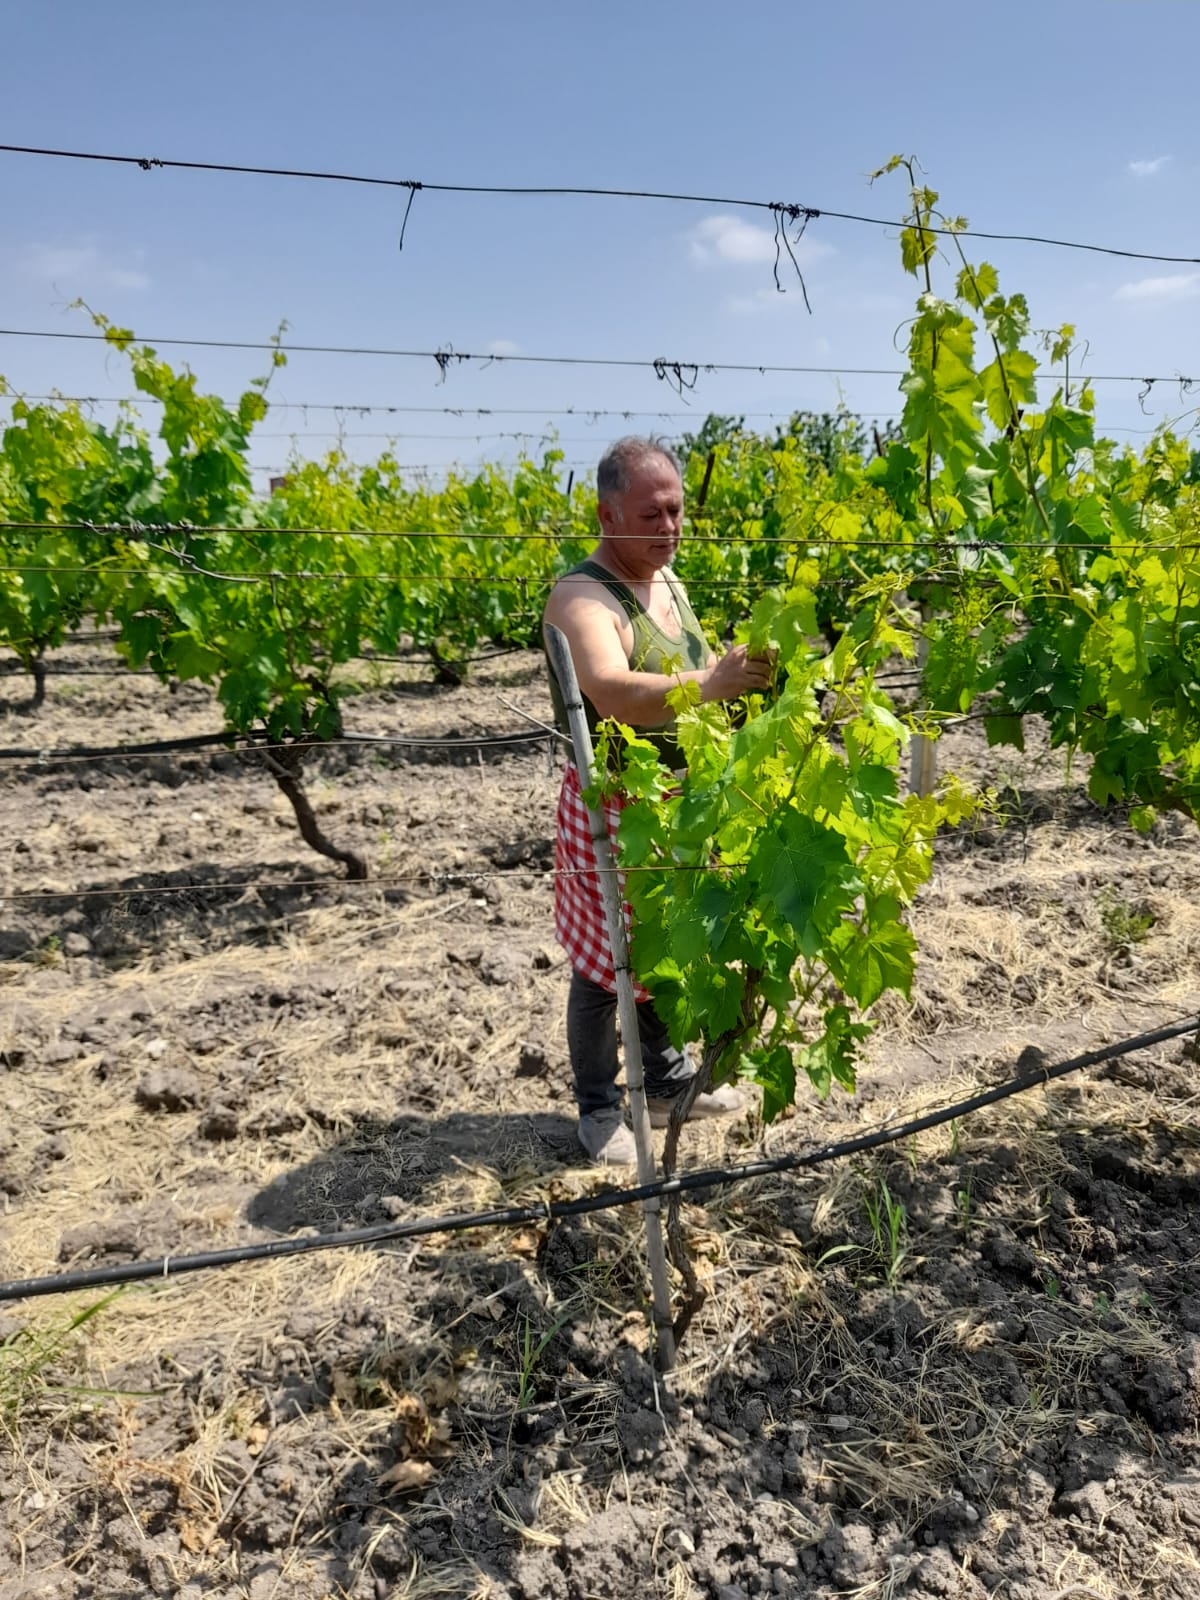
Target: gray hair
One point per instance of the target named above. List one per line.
(619, 460)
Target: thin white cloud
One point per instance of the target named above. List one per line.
(1146, 169)
(504, 347)
(763, 302)
(733, 239)
(82, 266)
(724, 238)
(1171, 286)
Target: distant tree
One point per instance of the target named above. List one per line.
(826, 435)
(715, 430)
(822, 435)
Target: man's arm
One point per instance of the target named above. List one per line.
(594, 632)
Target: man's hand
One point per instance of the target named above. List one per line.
(737, 672)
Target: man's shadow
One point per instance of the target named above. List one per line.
(404, 1159)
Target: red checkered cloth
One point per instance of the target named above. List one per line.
(578, 908)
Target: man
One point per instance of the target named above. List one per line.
(633, 638)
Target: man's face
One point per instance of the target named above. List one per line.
(647, 519)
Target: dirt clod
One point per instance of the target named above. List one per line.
(169, 1089)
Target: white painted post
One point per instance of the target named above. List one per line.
(564, 670)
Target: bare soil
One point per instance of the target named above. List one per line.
(207, 1039)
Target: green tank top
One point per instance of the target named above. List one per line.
(654, 650)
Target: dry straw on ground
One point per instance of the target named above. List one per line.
(357, 1056)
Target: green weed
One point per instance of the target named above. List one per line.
(29, 1357)
(889, 1231)
(964, 1206)
(48, 953)
(1124, 925)
(533, 1348)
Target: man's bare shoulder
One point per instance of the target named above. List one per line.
(578, 595)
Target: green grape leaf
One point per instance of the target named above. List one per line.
(803, 874)
(1008, 730)
(191, 659)
(977, 284)
(640, 833)
(877, 959)
(1009, 383)
(898, 474)
(1104, 787)
(774, 1071)
(833, 1058)
(870, 786)
(643, 776)
(1087, 518)
(1007, 320)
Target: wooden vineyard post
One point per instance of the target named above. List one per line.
(614, 916)
(922, 766)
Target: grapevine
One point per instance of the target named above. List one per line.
(1047, 572)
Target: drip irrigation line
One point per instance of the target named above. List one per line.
(449, 743)
(451, 878)
(211, 741)
(59, 669)
(423, 655)
(783, 210)
(560, 1210)
(503, 739)
(14, 669)
(681, 376)
(108, 636)
(198, 741)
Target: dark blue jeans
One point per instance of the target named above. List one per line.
(592, 1044)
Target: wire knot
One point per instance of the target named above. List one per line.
(680, 375)
(793, 212)
(785, 212)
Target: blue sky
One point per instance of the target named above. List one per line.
(1068, 117)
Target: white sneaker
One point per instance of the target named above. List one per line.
(607, 1140)
(718, 1102)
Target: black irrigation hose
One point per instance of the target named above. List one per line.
(418, 657)
(415, 658)
(197, 741)
(206, 741)
(468, 741)
(56, 673)
(554, 1211)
